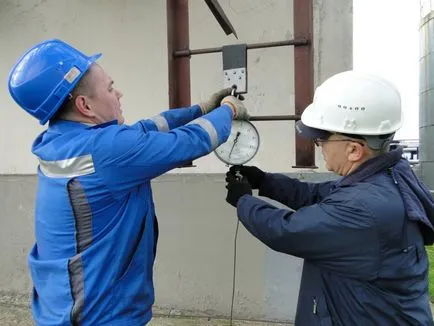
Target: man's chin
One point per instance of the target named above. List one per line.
(121, 120)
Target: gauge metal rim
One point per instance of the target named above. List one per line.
(254, 154)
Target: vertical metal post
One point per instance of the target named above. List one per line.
(304, 76)
(178, 38)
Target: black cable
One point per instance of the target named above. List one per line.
(235, 269)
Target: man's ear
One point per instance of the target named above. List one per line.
(82, 105)
(355, 151)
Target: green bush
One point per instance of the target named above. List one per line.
(430, 251)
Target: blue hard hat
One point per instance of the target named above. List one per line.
(45, 75)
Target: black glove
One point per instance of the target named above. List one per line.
(254, 175)
(237, 187)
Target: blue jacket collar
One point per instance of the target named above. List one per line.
(61, 126)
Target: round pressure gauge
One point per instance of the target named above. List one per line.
(242, 144)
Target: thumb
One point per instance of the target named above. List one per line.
(224, 92)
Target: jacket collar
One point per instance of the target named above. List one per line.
(61, 126)
(372, 167)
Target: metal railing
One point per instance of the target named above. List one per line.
(410, 148)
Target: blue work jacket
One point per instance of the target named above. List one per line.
(362, 239)
(95, 224)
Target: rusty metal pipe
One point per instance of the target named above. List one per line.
(178, 37)
(292, 117)
(304, 77)
(295, 42)
(221, 17)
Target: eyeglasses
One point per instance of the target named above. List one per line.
(318, 142)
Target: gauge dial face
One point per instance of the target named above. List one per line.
(242, 144)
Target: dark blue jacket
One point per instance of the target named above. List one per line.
(362, 239)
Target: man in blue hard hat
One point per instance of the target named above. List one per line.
(95, 224)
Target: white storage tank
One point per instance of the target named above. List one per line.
(426, 93)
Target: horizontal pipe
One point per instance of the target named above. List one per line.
(186, 53)
(274, 117)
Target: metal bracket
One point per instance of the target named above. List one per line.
(221, 17)
(235, 67)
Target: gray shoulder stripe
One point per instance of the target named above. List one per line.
(209, 128)
(69, 168)
(161, 123)
(82, 214)
(83, 232)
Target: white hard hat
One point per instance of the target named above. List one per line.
(355, 103)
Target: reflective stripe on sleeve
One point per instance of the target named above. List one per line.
(209, 128)
(161, 123)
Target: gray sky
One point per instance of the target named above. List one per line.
(386, 41)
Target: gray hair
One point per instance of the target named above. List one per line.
(377, 143)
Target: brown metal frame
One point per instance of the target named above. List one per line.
(178, 38)
(221, 17)
(303, 76)
(179, 54)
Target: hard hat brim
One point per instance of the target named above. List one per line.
(309, 132)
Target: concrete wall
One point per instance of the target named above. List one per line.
(194, 263)
(131, 34)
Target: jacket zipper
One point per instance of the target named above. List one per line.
(315, 306)
(392, 175)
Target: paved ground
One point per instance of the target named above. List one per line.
(14, 313)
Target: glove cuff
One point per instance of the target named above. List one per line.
(233, 108)
(204, 107)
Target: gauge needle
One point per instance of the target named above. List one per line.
(235, 141)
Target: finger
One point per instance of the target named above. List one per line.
(225, 92)
(234, 168)
(245, 182)
(231, 178)
(230, 185)
(241, 169)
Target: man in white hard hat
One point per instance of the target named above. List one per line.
(362, 237)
